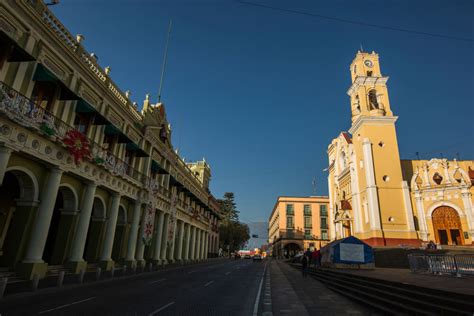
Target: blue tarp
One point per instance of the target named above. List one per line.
(350, 250)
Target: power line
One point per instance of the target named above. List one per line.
(347, 21)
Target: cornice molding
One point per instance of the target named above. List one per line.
(364, 81)
(371, 120)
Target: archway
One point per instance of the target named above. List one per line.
(120, 238)
(96, 231)
(447, 226)
(18, 194)
(291, 249)
(61, 227)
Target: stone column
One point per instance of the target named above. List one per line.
(187, 242)
(467, 201)
(180, 241)
(133, 235)
(372, 196)
(139, 242)
(159, 238)
(76, 260)
(5, 153)
(193, 243)
(106, 258)
(171, 257)
(423, 227)
(206, 245)
(33, 262)
(198, 244)
(164, 239)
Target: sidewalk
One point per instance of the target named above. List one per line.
(463, 285)
(294, 295)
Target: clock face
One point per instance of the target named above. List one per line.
(368, 63)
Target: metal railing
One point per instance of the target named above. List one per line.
(462, 264)
(27, 113)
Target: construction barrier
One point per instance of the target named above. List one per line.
(442, 264)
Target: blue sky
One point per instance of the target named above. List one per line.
(261, 93)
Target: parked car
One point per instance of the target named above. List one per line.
(257, 258)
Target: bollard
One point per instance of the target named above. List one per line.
(35, 282)
(97, 273)
(124, 270)
(81, 276)
(61, 278)
(3, 286)
(112, 272)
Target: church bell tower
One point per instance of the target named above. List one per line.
(383, 193)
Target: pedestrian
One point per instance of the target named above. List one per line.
(316, 258)
(304, 265)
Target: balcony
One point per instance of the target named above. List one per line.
(324, 226)
(308, 225)
(323, 213)
(25, 112)
(291, 234)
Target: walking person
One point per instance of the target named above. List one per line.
(304, 265)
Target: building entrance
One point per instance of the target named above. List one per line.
(447, 226)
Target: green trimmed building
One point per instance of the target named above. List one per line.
(87, 179)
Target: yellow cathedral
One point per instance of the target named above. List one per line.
(381, 199)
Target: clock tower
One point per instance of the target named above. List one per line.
(383, 194)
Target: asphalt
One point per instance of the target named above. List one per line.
(224, 287)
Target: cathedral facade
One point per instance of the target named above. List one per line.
(381, 199)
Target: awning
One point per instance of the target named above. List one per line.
(135, 148)
(176, 183)
(156, 167)
(42, 74)
(17, 54)
(84, 107)
(112, 130)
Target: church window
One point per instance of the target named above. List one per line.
(369, 73)
(357, 102)
(381, 144)
(355, 69)
(437, 178)
(373, 103)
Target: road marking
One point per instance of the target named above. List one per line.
(161, 308)
(160, 280)
(66, 305)
(227, 273)
(191, 272)
(208, 283)
(257, 300)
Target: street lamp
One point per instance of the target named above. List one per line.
(53, 2)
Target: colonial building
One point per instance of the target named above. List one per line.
(298, 223)
(86, 178)
(384, 200)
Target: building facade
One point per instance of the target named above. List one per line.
(85, 177)
(298, 223)
(381, 199)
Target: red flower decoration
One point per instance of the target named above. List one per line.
(78, 145)
(148, 229)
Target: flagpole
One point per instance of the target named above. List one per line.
(164, 61)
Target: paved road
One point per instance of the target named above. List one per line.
(214, 288)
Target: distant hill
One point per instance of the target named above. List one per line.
(260, 229)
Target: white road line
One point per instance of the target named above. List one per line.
(66, 305)
(208, 283)
(227, 273)
(191, 272)
(161, 308)
(257, 300)
(160, 280)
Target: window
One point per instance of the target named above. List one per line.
(81, 123)
(289, 222)
(437, 178)
(307, 234)
(307, 209)
(44, 94)
(369, 73)
(307, 222)
(373, 103)
(324, 234)
(324, 222)
(290, 209)
(323, 210)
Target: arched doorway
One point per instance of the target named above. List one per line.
(61, 227)
(447, 226)
(96, 231)
(18, 194)
(120, 238)
(291, 249)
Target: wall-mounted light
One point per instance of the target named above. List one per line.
(391, 219)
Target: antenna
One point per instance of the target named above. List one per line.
(164, 61)
(314, 185)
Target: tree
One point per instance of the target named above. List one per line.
(229, 208)
(232, 234)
